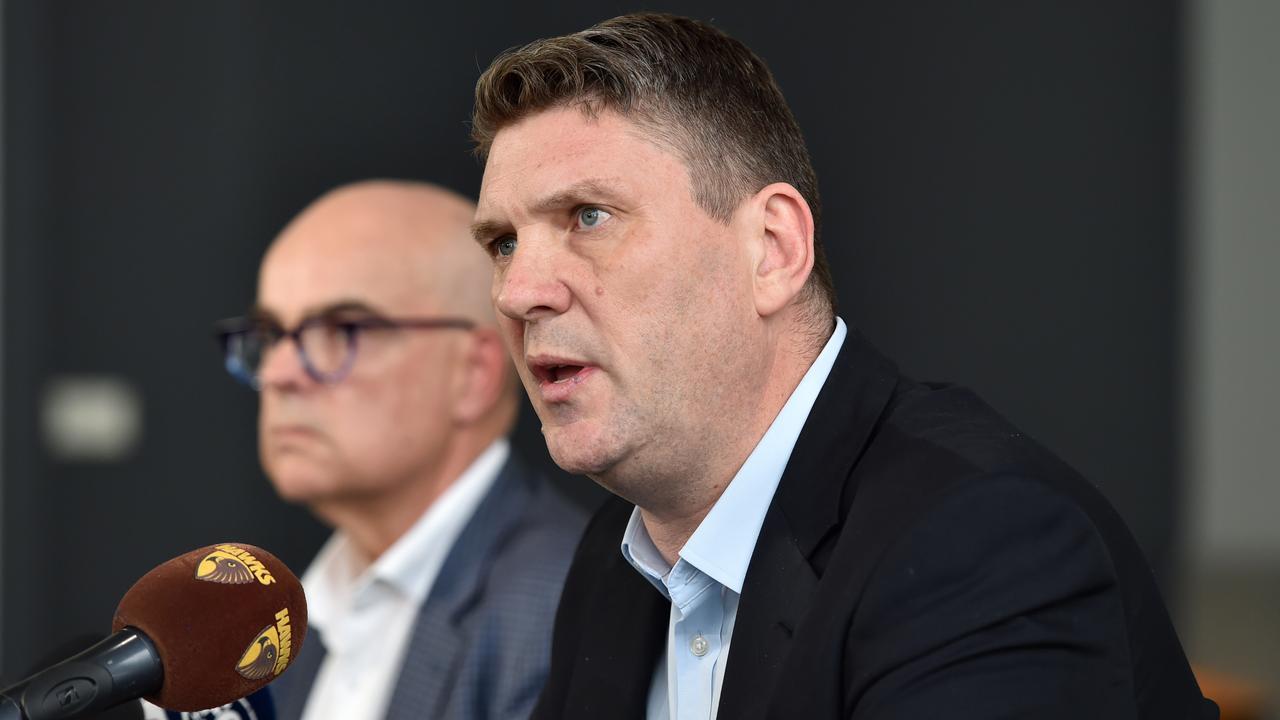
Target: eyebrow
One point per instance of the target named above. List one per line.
(583, 192)
(482, 230)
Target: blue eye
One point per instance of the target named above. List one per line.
(589, 217)
(505, 246)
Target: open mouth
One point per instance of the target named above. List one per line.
(559, 379)
(559, 374)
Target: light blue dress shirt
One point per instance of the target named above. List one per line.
(705, 583)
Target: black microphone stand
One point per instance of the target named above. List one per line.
(122, 667)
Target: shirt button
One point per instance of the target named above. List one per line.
(699, 645)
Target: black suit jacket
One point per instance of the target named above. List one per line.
(921, 558)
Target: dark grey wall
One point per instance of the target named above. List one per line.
(999, 182)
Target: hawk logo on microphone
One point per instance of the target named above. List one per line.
(269, 652)
(230, 565)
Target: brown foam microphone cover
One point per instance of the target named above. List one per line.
(225, 619)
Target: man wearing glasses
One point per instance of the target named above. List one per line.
(386, 399)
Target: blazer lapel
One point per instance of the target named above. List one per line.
(435, 646)
(807, 509)
(290, 691)
(626, 631)
(768, 613)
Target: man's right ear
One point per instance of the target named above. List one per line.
(785, 253)
(482, 374)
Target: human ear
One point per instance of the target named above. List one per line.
(784, 257)
(480, 375)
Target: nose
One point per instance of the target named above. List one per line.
(531, 285)
(282, 368)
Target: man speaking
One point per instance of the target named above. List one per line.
(800, 531)
(386, 399)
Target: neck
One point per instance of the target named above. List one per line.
(669, 533)
(375, 522)
(673, 512)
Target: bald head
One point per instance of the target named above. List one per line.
(361, 267)
(396, 238)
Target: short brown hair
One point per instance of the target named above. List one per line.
(694, 88)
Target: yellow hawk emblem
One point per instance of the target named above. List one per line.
(222, 567)
(259, 660)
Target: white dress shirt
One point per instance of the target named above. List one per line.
(365, 613)
(706, 582)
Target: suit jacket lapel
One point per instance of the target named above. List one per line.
(806, 510)
(624, 630)
(290, 691)
(768, 613)
(431, 659)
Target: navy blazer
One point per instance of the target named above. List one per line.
(481, 644)
(921, 558)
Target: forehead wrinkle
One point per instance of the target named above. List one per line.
(580, 192)
(605, 190)
(514, 158)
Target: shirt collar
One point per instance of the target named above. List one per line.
(339, 579)
(429, 540)
(643, 555)
(724, 541)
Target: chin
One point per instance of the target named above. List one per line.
(577, 462)
(300, 493)
(605, 455)
(580, 450)
(299, 482)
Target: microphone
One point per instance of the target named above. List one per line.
(199, 631)
(59, 651)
